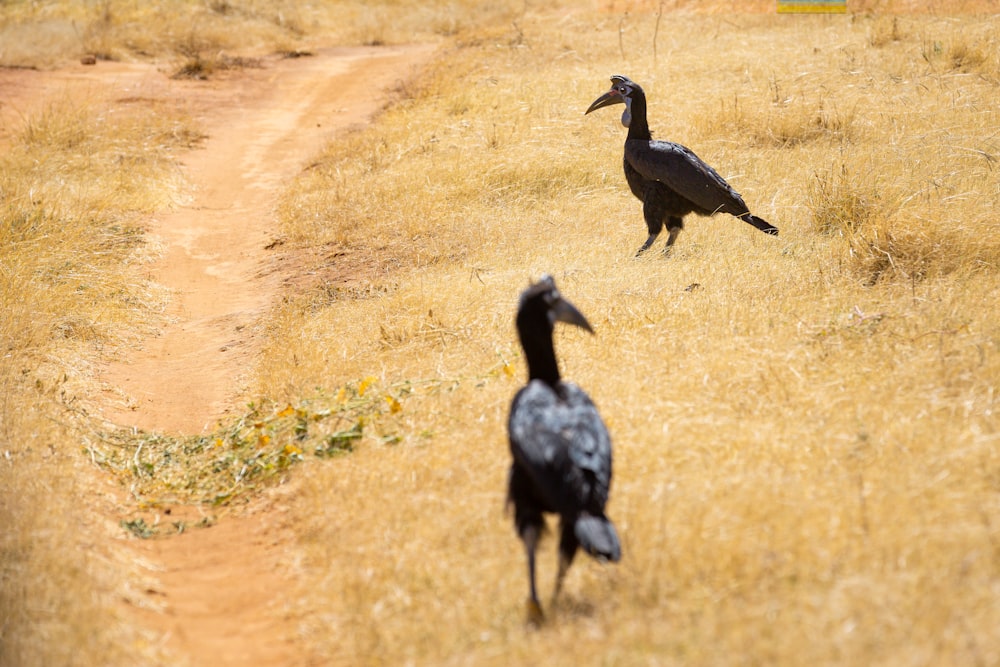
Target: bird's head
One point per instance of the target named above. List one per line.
(623, 89)
(543, 302)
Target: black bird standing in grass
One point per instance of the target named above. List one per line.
(561, 448)
(669, 179)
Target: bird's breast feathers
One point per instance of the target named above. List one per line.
(556, 425)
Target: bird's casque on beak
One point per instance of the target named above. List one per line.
(615, 96)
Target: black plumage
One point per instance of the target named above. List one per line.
(669, 179)
(560, 446)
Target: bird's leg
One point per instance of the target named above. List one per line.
(674, 227)
(565, 560)
(653, 216)
(530, 537)
(564, 564)
(647, 244)
(568, 544)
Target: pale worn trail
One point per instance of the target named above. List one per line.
(223, 595)
(262, 126)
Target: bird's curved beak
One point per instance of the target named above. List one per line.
(606, 100)
(564, 311)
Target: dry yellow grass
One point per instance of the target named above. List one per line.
(805, 427)
(807, 469)
(186, 31)
(76, 179)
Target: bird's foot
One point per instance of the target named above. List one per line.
(647, 245)
(641, 251)
(535, 615)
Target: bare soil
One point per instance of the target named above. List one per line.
(222, 595)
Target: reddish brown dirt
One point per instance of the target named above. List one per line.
(263, 125)
(222, 595)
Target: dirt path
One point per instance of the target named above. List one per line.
(262, 126)
(223, 595)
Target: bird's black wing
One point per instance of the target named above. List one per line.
(563, 445)
(680, 169)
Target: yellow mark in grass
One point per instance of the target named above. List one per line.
(367, 382)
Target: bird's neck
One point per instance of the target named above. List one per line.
(540, 354)
(547, 372)
(638, 127)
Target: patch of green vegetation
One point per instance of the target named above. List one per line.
(253, 449)
(139, 528)
(341, 442)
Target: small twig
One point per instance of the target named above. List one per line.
(621, 31)
(863, 504)
(936, 332)
(656, 28)
(135, 459)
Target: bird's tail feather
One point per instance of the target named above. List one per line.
(760, 223)
(598, 537)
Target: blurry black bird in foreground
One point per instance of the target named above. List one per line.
(560, 446)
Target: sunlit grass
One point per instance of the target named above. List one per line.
(805, 426)
(183, 32)
(76, 180)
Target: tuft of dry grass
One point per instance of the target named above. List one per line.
(199, 67)
(781, 121)
(967, 53)
(884, 234)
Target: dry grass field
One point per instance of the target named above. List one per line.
(805, 427)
